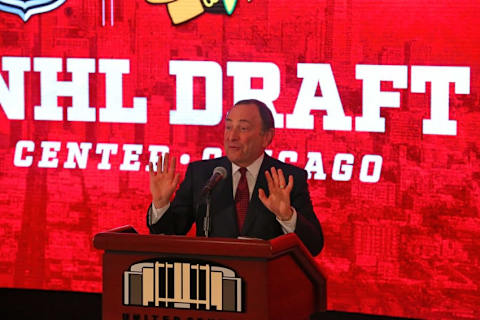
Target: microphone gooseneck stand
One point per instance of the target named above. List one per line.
(219, 173)
(206, 220)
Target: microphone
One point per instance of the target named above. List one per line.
(219, 173)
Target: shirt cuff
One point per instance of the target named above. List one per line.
(157, 213)
(288, 226)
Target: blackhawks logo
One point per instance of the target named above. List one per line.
(27, 8)
(181, 11)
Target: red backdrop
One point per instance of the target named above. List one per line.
(405, 245)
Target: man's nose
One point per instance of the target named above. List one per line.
(232, 134)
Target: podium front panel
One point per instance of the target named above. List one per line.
(154, 286)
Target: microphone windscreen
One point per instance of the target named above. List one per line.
(221, 171)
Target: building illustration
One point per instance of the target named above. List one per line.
(182, 285)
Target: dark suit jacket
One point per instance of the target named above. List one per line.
(189, 206)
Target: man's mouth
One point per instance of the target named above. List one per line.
(234, 149)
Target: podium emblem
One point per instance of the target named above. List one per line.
(27, 8)
(182, 285)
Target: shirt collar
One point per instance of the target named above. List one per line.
(254, 168)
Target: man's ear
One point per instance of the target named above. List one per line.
(269, 137)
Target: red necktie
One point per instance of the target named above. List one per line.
(242, 198)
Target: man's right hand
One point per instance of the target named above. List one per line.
(164, 181)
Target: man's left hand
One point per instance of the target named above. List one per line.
(278, 200)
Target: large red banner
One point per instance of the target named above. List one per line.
(378, 101)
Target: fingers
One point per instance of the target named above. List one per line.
(165, 164)
(173, 166)
(276, 179)
(289, 186)
(281, 179)
(262, 196)
(269, 180)
(150, 169)
(166, 159)
(274, 176)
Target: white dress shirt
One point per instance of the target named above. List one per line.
(288, 226)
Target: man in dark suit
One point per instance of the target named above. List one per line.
(254, 200)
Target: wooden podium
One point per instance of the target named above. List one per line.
(158, 277)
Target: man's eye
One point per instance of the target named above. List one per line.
(244, 128)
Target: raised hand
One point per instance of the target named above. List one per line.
(278, 200)
(164, 181)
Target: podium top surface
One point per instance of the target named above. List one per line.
(126, 239)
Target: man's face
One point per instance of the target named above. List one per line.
(244, 139)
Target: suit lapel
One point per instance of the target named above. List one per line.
(223, 205)
(255, 206)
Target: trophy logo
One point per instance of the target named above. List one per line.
(181, 11)
(27, 8)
